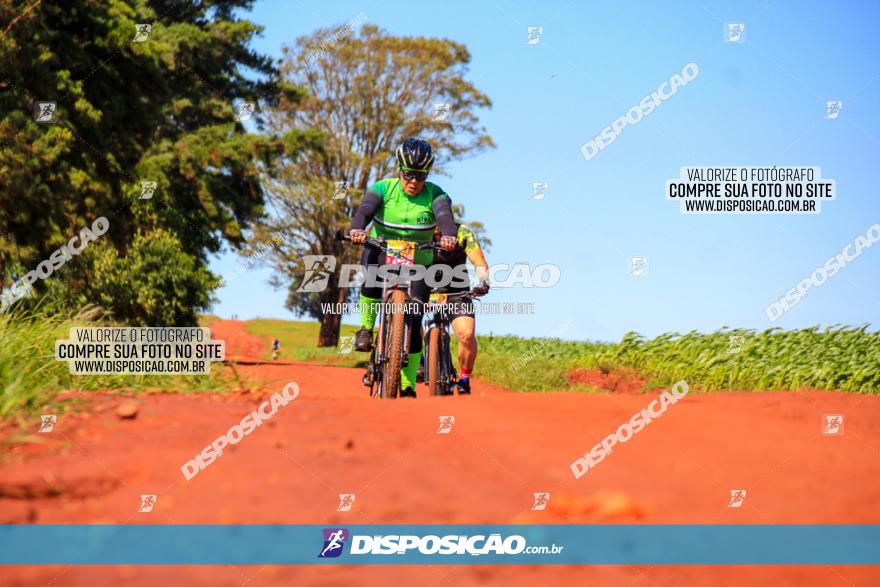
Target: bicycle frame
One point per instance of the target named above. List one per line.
(379, 358)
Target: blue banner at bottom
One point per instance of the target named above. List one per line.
(630, 544)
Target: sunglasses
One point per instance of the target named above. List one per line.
(410, 175)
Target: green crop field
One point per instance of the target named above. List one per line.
(837, 358)
(841, 357)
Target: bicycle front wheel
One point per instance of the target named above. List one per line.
(393, 347)
(433, 362)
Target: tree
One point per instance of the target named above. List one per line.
(154, 283)
(133, 105)
(367, 91)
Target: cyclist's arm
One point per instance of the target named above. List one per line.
(442, 208)
(369, 206)
(474, 252)
(479, 262)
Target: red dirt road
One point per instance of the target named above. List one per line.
(503, 447)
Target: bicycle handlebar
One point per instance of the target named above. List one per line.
(373, 242)
(460, 295)
(380, 243)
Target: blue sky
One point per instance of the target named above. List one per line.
(758, 103)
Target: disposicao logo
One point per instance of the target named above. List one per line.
(411, 544)
(334, 541)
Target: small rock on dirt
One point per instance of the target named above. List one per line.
(127, 410)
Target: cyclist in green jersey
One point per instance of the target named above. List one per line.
(409, 208)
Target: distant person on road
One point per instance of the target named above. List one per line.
(276, 345)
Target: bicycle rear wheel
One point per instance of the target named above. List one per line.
(449, 370)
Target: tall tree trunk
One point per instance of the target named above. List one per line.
(332, 321)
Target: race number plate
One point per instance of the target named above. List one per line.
(400, 253)
(437, 298)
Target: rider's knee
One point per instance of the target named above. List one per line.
(466, 337)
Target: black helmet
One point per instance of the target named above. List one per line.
(415, 155)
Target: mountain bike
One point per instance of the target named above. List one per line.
(440, 373)
(392, 336)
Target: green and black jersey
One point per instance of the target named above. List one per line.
(396, 215)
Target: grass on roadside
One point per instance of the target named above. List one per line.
(30, 376)
(529, 364)
(299, 342)
(205, 320)
(845, 358)
(552, 359)
(842, 358)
